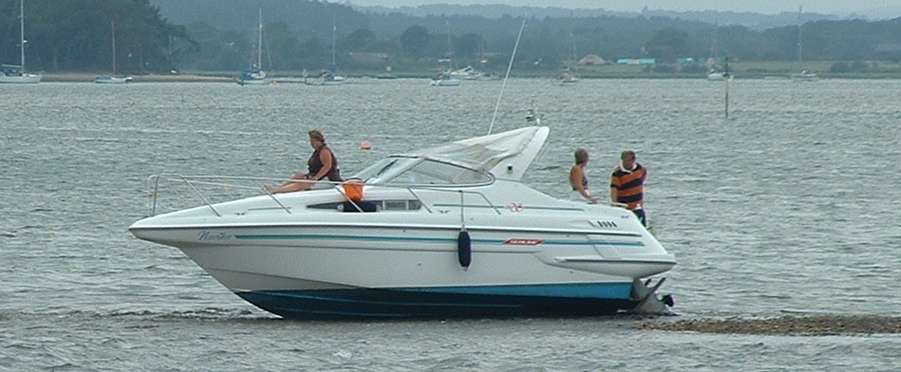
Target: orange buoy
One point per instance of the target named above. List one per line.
(365, 145)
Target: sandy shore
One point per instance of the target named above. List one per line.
(786, 325)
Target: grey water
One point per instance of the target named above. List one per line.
(789, 207)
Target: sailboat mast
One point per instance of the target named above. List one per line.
(450, 48)
(334, 30)
(22, 32)
(572, 38)
(113, 28)
(260, 42)
(800, 44)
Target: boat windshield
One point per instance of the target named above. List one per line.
(420, 171)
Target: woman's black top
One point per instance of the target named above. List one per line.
(314, 165)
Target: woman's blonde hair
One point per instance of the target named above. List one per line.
(317, 135)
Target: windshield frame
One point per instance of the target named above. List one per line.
(416, 161)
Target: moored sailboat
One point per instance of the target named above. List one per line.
(112, 79)
(804, 75)
(255, 75)
(16, 74)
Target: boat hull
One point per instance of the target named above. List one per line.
(804, 77)
(112, 80)
(338, 273)
(536, 300)
(445, 83)
(254, 82)
(20, 79)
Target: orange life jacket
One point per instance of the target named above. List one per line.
(629, 185)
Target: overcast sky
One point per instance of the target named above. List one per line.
(763, 6)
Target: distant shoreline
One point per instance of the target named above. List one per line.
(290, 77)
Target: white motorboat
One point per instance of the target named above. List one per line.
(719, 76)
(9, 75)
(466, 73)
(445, 79)
(445, 82)
(715, 76)
(106, 79)
(330, 78)
(13, 74)
(448, 231)
(805, 76)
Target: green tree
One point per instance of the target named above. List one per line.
(468, 45)
(668, 44)
(282, 45)
(76, 34)
(359, 40)
(415, 41)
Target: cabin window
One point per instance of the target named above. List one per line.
(379, 205)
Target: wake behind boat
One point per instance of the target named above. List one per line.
(448, 231)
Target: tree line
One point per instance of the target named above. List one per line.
(77, 35)
(220, 35)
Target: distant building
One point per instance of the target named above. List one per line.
(636, 61)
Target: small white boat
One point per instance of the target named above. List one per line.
(10, 75)
(254, 77)
(332, 79)
(445, 79)
(445, 82)
(447, 231)
(15, 74)
(805, 76)
(568, 78)
(106, 79)
(719, 76)
(466, 73)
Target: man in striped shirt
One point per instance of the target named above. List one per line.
(627, 184)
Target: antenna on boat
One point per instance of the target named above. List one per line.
(497, 105)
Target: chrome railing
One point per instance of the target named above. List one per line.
(153, 186)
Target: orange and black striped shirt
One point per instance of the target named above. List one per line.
(629, 185)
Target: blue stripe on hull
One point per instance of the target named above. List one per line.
(444, 302)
